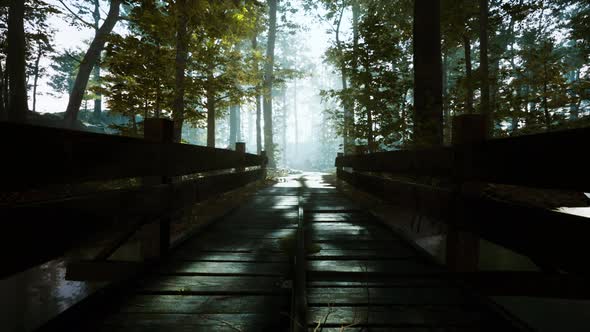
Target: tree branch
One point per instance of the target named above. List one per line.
(76, 16)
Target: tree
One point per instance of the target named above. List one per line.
(427, 74)
(90, 59)
(15, 63)
(268, 82)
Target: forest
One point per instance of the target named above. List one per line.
(250, 70)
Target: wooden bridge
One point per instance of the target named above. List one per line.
(299, 255)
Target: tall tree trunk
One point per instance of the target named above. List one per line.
(574, 108)
(36, 77)
(447, 121)
(180, 66)
(258, 105)
(233, 129)
(468, 74)
(15, 63)
(296, 119)
(90, 59)
(257, 97)
(427, 74)
(238, 123)
(284, 125)
(268, 83)
(210, 104)
(98, 98)
(2, 95)
(484, 68)
(258, 125)
(545, 101)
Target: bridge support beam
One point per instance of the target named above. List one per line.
(462, 254)
(155, 237)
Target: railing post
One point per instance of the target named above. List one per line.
(360, 149)
(264, 162)
(462, 254)
(155, 237)
(241, 149)
(338, 167)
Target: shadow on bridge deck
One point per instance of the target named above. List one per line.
(237, 275)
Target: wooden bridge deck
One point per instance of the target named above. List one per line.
(237, 275)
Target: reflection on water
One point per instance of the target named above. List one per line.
(32, 297)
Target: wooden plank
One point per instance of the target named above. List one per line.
(70, 156)
(194, 322)
(62, 224)
(226, 268)
(388, 296)
(214, 304)
(546, 160)
(210, 285)
(398, 316)
(391, 267)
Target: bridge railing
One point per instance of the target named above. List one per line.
(449, 184)
(161, 179)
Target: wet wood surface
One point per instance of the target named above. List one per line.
(237, 275)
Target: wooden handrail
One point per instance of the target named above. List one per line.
(35, 156)
(547, 160)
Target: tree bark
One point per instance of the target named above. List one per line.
(36, 78)
(15, 63)
(284, 126)
(257, 97)
(446, 108)
(468, 75)
(268, 83)
(90, 59)
(211, 105)
(233, 130)
(98, 99)
(180, 65)
(427, 74)
(296, 119)
(2, 95)
(484, 67)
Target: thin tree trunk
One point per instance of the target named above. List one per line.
(98, 98)
(284, 125)
(446, 109)
(268, 83)
(468, 75)
(574, 108)
(90, 59)
(2, 95)
(210, 104)
(258, 125)
(180, 65)
(484, 68)
(15, 63)
(296, 119)
(238, 123)
(258, 105)
(232, 127)
(545, 102)
(36, 77)
(427, 74)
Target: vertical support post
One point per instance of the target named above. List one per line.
(155, 237)
(428, 121)
(241, 149)
(264, 163)
(338, 167)
(360, 149)
(462, 253)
